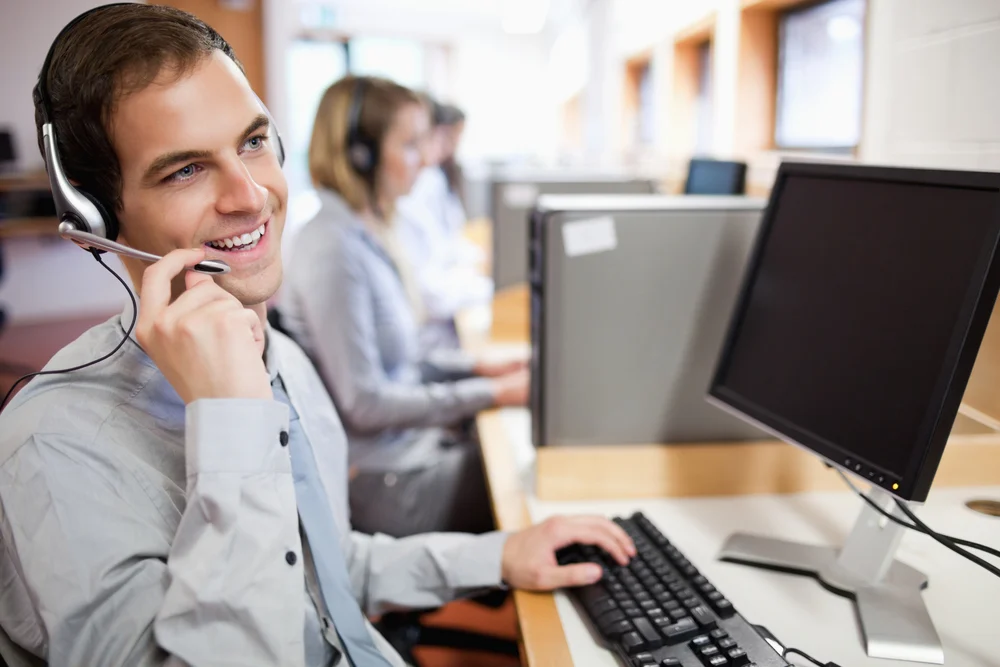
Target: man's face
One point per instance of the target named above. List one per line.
(199, 170)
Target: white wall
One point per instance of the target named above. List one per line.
(932, 95)
(27, 28)
(43, 278)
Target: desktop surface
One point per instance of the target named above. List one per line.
(797, 610)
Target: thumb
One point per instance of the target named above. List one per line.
(193, 278)
(579, 574)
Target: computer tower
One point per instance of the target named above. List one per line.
(630, 297)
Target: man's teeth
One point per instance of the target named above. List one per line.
(249, 240)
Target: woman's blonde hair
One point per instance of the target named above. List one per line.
(329, 162)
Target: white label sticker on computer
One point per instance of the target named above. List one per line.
(520, 195)
(586, 237)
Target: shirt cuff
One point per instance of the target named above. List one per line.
(481, 562)
(477, 393)
(236, 435)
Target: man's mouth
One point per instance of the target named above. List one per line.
(240, 242)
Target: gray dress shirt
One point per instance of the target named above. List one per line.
(344, 302)
(135, 530)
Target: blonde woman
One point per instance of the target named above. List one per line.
(351, 302)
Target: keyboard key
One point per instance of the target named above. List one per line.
(706, 653)
(650, 635)
(724, 608)
(738, 657)
(718, 661)
(700, 642)
(602, 607)
(671, 662)
(690, 602)
(632, 643)
(678, 613)
(643, 660)
(726, 643)
(618, 628)
(656, 613)
(610, 618)
(680, 631)
(703, 617)
(649, 604)
(718, 634)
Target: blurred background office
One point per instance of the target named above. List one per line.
(637, 85)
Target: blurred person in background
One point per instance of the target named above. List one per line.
(431, 220)
(352, 302)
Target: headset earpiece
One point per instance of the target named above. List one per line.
(109, 217)
(362, 152)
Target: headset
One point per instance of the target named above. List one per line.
(362, 152)
(82, 216)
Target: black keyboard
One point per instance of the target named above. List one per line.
(659, 611)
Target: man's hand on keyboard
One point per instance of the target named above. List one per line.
(529, 556)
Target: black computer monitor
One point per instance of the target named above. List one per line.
(861, 313)
(715, 177)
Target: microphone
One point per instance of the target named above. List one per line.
(68, 231)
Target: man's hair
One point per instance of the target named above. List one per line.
(111, 53)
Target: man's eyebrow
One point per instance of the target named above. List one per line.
(261, 121)
(168, 160)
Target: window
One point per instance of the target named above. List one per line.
(645, 125)
(820, 66)
(401, 60)
(704, 115)
(312, 66)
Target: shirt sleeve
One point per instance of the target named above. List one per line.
(114, 584)
(422, 571)
(345, 342)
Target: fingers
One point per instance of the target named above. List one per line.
(197, 296)
(156, 289)
(579, 574)
(193, 279)
(598, 533)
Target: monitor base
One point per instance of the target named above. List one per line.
(887, 593)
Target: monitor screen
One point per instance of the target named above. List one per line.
(715, 177)
(854, 312)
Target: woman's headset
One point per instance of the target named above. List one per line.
(83, 217)
(362, 152)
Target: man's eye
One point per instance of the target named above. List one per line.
(255, 143)
(184, 173)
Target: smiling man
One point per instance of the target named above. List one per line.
(185, 501)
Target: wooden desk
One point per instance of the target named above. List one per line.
(651, 471)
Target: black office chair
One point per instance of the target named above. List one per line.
(715, 177)
(405, 630)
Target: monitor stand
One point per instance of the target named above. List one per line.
(887, 592)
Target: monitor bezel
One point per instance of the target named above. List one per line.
(960, 357)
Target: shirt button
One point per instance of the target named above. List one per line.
(283, 438)
(290, 557)
(390, 479)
